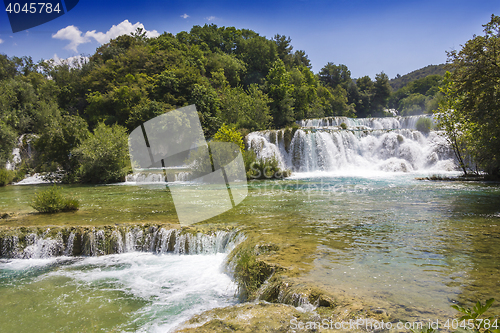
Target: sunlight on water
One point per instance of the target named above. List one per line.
(411, 247)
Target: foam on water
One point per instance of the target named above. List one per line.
(367, 145)
(172, 287)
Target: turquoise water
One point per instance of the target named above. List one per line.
(411, 247)
(385, 240)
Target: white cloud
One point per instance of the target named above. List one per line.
(1, 40)
(123, 28)
(211, 18)
(74, 35)
(185, 16)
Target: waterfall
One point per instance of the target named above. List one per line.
(40, 243)
(391, 144)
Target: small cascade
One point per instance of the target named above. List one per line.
(391, 144)
(38, 243)
(408, 122)
(155, 178)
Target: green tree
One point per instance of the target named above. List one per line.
(284, 49)
(476, 87)
(228, 134)
(58, 139)
(280, 91)
(452, 121)
(144, 112)
(246, 109)
(8, 139)
(103, 157)
(208, 105)
(332, 75)
(381, 93)
(365, 89)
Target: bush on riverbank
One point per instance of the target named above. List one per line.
(103, 156)
(53, 201)
(6, 176)
(263, 168)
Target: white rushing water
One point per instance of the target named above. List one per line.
(165, 276)
(366, 145)
(169, 288)
(101, 241)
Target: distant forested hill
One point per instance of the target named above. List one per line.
(400, 81)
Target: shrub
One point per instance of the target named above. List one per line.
(6, 176)
(52, 200)
(263, 168)
(103, 156)
(228, 134)
(343, 126)
(424, 125)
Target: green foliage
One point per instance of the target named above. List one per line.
(280, 91)
(381, 94)
(247, 109)
(103, 157)
(475, 317)
(424, 125)
(144, 112)
(418, 97)
(343, 126)
(475, 92)
(332, 75)
(453, 122)
(264, 168)
(400, 81)
(208, 105)
(8, 140)
(249, 272)
(52, 200)
(6, 176)
(228, 134)
(56, 141)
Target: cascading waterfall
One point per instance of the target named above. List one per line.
(391, 144)
(95, 242)
(363, 123)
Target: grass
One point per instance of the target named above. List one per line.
(52, 200)
(249, 272)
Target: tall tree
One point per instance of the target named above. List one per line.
(284, 48)
(332, 75)
(476, 76)
(280, 91)
(381, 93)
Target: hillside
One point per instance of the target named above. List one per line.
(401, 81)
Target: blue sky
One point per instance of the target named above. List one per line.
(368, 36)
